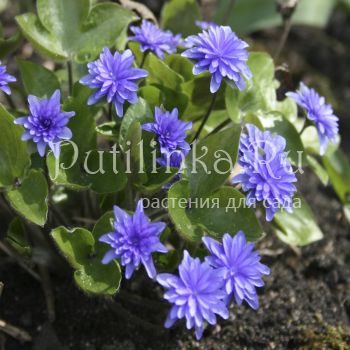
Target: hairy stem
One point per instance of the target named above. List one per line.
(287, 25)
(10, 101)
(70, 77)
(144, 56)
(19, 260)
(206, 117)
(220, 126)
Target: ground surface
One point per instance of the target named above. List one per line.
(304, 305)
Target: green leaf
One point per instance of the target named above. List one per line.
(167, 262)
(216, 218)
(294, 146)
(135, 166)
(180, 16)
(318, 169)
(232, 105)
(178, 197)
(260, 93)
(102, 171)
(76, 245)
(79, 248)
(108, 130)
(199, 96)
(160, 74)
(139, 112)
(16, 236)
(338, 169)
(180, 65)
(288, 108)
(346, 3)
(3, 5)
(10, 45)
(262, 85)
(252, 15)
(156, 181)
(14, 157)
(68, 169)
(83, 137)
(105, 172)
(96, 278)
(219, 220)
(37, 80)
(310, 140)
(30, 198)
(347, 211)
(65, 29)
(152, 95)
(103, 226)
(298, 228)
(211, 161)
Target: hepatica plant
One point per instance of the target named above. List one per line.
(147, 156)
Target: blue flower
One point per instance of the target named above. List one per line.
(319, 113)
(267, 174)
(204, 25)
(169, 130)
(154, 39)
(242, 267)
(5, 79)
(133, 240)
(222, 53)
(197, 294)
(114, 78)
(173, 159)
(47, 124)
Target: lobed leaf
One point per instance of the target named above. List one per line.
(203, 166)
(13, 151)
(298, 228)
(193, 222)
(74, 30)
(37, 80)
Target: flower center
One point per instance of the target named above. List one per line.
(46, 123)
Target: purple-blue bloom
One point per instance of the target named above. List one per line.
(169, 130)
(114, 78)
(222, 53)
(267, 174)
(318, 112)
(173, 159)
(242, 267)
(197, 294)
(133, 240)
(5, 79)
(204, 25)
(154, 39)
(47, 124)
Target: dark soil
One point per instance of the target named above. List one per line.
(304, 305)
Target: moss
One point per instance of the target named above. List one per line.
(328, 337)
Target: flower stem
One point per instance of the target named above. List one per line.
(10, 101)
(220, 126)
(110, 112)
(287, 25)
(206, 117)
(70, 77)
(144, 56)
